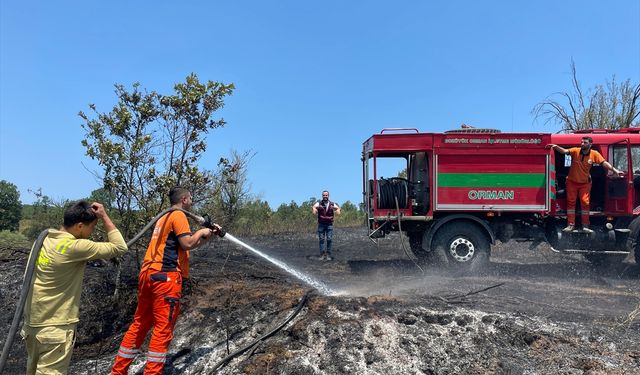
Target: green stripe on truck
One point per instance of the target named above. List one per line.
(502, 180)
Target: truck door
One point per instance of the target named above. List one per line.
(620, 193)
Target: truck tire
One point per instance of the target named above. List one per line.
(425, 257)
(464, 245)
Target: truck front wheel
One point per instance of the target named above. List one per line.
(465, 246)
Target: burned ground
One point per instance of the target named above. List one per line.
(530, 312)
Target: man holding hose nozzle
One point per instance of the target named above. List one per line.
(166, 263)
(325, 210)
(52, 305)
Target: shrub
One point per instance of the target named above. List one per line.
(13, 240)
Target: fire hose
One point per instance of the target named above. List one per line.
(253, 345)
(401, 240)
(204, 221)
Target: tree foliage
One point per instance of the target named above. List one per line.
(295, 217)
(44, 213)
(10, 206)
(231, 190)
(610, 106)
(150, 142)
(103, 196)
(254, 217)
(350, 215)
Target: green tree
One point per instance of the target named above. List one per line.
(46, 214)
(294, 217)
(350, 215)
(610, 106)
(103, 196)
(231, 190)
(10, 206)
(150, 142)
(254, 217)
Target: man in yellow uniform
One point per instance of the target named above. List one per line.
(51, 309)
(579, 180)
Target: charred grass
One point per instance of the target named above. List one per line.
(531, 312)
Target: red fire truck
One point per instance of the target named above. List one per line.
(455, 193)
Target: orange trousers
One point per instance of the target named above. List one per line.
(158, 308)
(575, 190)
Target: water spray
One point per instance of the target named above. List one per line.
(321, 287)
(206, 222)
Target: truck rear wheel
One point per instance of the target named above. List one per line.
(465, 246)
(424, 256)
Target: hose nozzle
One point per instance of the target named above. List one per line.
(208, 223)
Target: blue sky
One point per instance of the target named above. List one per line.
(313, 79)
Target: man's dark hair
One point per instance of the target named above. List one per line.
(176, 194)
(79, 212)
(588, 139)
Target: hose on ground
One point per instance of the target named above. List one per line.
(404, 247)
(238, 352)
(28, 276)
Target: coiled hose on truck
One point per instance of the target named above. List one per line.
(389, 189)
(28, 276)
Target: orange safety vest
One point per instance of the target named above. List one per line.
(164, 252)
(581, 164)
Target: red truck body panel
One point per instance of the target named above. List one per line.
(496, 172)
(478, 172)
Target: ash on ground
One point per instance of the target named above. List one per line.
(529, 312)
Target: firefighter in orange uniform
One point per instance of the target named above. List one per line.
(166, 263)
(579, 180)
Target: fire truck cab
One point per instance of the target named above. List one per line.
(455, 193)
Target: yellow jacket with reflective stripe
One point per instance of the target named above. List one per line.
(54, 298)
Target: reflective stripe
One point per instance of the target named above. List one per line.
(123, 355)
(61, 244)
(128, 353)
(156, 357)
(571, 211)
(64, 245)
(42, 259)
(129, 350)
